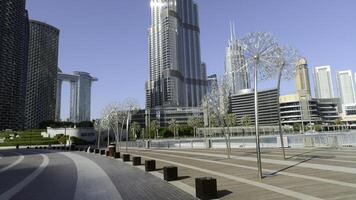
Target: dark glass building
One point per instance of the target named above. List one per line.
(42, 73)
(13, 63)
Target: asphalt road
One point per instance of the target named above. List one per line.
(46, 174)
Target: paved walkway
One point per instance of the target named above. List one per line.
(43, 174)
(306, 174)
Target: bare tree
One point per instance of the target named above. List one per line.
(130, 106)
(217, 102)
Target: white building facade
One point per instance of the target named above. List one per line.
(323, 84)
(346, 88)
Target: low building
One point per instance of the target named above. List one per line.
(87, 134)
(329, 110)
(242, 104)
(349, 113)
(298, 110)
(309, 110)
(166, 114)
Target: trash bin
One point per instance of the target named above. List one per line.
(112, 150)
(148, 144)
(17, 146)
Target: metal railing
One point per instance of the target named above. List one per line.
(335, 139)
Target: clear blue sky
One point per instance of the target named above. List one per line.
(108, 38)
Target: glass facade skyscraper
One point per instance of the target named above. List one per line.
(235, 65)
(177, 77)
(13, 63)
(42, 74)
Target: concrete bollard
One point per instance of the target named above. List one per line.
(126, 157)
(206, 188)
(102, 152)
(117, 155)
(136, 160)
(170, 173)
(150, 165)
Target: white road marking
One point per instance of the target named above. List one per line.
(278, 162)
(272, 188)
(304, 156)
(92, 183)
(17, 188)
(266, 170)
(17, 161)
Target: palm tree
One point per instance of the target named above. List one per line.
(195, 122)
(154, 126)
(135, 128)
(173, 126)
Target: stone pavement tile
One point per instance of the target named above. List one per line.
(315, 188)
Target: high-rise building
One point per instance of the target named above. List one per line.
(42, 74)
(80, 95)
(177, 77)
(235, 66)
(302, 79)
(323, 82)
(212, 82)
(346, 88)
(13, 63)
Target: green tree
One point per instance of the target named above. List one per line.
(173, 126)
(296, 127)
(195, 122)
(318, 128)
(231, 120)
(245, 121)
(135, 129)
(154, 128)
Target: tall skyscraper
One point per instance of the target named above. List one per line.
(235, 66)
(177, 77)
(346, 88)
(302, 79)
(323, 82)
(42, 74)
(212, 82)
(13, 63)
